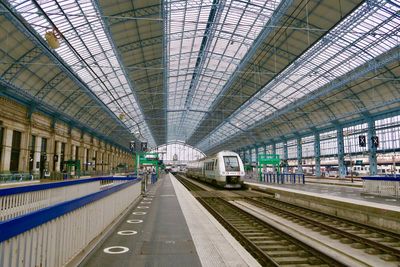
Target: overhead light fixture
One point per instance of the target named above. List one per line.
(53, 38)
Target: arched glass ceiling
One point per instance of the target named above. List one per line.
(206, 41)
(371, 30)
(91, 55)
(183, 152)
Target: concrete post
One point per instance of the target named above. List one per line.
(6, 155)
(373, 161)
(317, 153)
(274, 148)
(340, 145)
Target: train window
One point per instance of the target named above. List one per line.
(231, 163)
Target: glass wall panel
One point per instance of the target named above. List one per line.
(329, 143)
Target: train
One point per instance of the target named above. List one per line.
(224, 169)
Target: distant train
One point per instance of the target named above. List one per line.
(224, 169)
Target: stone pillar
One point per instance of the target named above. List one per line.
(317, 153)
(73, 152)
(373, 161)
(24, 154)
(84, 162)
(36, 155)
(340, 145)
(6, 155)
(58, 153)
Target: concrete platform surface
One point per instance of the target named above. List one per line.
(153, 234)
(169, 228)
(214, 244)
(345, 193)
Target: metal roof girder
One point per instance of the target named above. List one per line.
(33, 36)
(387, 58)
(213, 19)
(107, 31)
(282, 8)
(11, 91)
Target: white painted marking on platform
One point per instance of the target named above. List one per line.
(390, 199)
(167, 195)
(142, 207)
(134, 221)
(127, 232)
(138, 213)
(143, 202)
(119, 249)
(369, 197)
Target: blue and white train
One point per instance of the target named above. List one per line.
(224, 169)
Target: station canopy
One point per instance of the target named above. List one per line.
(213, 74)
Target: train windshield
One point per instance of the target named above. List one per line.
(231, 163)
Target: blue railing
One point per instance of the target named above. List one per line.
(284, 178)
(38, 187)
(387, 177)
(18, 225)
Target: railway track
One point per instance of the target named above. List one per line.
(377, 242)
(269, 245)
(373, 241)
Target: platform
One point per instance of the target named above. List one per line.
(169, 228)
(341, 201)
(333, 190)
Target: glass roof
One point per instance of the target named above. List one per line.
(368, 32)
(82, 26)
(212, 41)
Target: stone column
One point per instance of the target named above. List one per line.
(84, 162)
(58, 153)
(36, 155)
(6, 155)
(24, 154)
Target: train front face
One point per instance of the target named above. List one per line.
(232, 170)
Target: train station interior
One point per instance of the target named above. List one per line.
(199, 133)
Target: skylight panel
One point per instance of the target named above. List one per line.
(337, 53)
(231, 35)
(84, 30)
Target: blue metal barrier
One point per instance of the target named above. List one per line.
(31, 220)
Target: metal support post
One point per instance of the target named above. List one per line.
(340, 144)
(274, 152)
(285, 156)
(373, 162)
(299, 156)
(317, 153)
